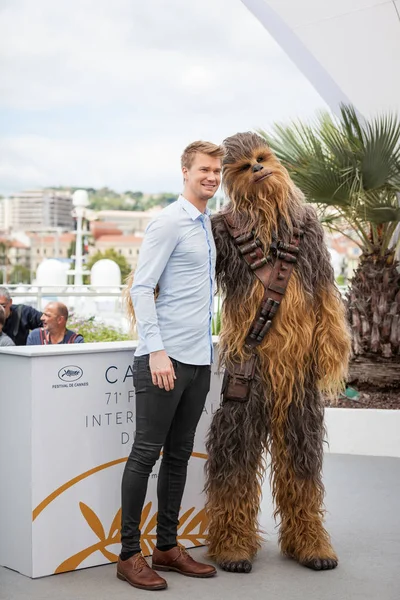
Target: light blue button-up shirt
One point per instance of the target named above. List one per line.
(178, 253)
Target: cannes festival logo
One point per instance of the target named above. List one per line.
(70, 373)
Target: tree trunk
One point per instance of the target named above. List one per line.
(376, 372)
(374, 308)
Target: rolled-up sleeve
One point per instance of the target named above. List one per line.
(160, 240)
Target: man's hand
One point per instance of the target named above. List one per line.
(162, 370)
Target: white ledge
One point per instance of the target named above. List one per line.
(84, 348)
(58, 349)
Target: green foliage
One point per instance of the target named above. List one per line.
(4, 260)
(71, 249)
(350, 168)
(107, 199)
(95, 331)
(111, 254)
(341, 280)
(216, 319)
(3, 253)
(20, 274)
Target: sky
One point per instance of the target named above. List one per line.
(101, 93)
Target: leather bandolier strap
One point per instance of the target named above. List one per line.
(274, 271)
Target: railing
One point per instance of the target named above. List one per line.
(42, 292)
(104, 302)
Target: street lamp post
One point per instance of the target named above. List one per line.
(80, 202)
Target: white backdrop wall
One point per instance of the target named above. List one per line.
(348, 49)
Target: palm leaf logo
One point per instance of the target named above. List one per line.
(192, 529)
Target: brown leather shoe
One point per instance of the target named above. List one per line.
(177, 559)
(137, 572)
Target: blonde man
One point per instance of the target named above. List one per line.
(171, 365)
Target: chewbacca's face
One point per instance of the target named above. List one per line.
(251, 171)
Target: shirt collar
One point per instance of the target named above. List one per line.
(192, 211)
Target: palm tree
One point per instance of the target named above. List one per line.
(350, 168)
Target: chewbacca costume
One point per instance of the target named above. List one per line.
(303, 351)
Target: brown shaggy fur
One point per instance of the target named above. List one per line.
(305, 353)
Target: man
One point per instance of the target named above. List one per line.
(20, 319)
(171, 366)
(4, 339)
(54, 330)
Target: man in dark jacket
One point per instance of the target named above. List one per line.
(4, 339)
(20, 318)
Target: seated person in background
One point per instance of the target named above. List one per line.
(4, 339)
(20, 318)
(54, 330)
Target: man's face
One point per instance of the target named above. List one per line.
(6, 304)
(51, 319)
(202, 179)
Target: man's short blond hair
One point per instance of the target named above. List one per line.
(200, 147)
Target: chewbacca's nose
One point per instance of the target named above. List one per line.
(257, 167)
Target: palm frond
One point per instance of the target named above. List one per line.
(380, 161)
(346, 163)
(382, 214)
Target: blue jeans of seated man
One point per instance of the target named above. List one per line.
(163, 420)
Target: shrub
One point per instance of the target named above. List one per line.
(96, 331)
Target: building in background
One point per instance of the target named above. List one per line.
(125, 245)
(14, 254)
(44, 245)
(19, 254)
(38, 225)
(4, 215)
(348, 253)
(35, 210)
(128, 221)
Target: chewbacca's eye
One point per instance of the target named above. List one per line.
(245, 167)
(260, 159)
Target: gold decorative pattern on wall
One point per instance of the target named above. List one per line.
(191, 529)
